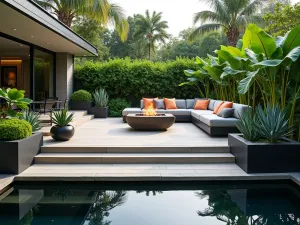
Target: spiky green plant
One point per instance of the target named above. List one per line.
(247, 127)
(100, 97)
(33, 118)
(272, 123)
(62, 117)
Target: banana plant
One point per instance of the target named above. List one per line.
(13, 97)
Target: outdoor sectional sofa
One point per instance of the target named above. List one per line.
(205, 119)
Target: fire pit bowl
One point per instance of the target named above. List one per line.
(158, 122)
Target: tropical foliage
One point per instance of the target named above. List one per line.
(33, 118)
(261, 69)
(230, 16)
(152, 29)
(101, 11)
(282, 19)
(13, 98)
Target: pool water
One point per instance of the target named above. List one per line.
(153, 204)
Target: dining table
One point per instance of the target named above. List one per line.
(42, 103)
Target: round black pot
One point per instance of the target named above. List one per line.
(62, 133)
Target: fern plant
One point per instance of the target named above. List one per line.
(33, 118)
(100, 97)
(62, 117)
(247, 127)
(272, 123)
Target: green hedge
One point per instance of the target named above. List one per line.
(134, 79)
(81, 95)
(14, 129)
(116, 106)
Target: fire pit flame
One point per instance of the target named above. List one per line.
(149, 112)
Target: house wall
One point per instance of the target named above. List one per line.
(64, 75)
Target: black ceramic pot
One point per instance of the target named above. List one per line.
(62, 133)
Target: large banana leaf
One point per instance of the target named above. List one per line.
(287, 61)
(258, 41)
(246, 83)
(225, 56)
(232, 50)
(228, 71)
(292, 40)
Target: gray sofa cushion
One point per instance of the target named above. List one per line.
(159, 104)
(196, 113)
(216, 121)
(161, 111)
(239, 110)
(217, 102)
(190, 103)
(131, 110)
(142, 104)
(180, 103)
(179, 112)
(211, 104)
(226, 113)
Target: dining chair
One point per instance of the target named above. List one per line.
(48, 107)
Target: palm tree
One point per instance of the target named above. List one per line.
(151, 28)
(228, 15)
(99, 10)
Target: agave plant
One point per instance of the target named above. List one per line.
(62, 117)
(247, 127)
(33, 118)
(272, 123)
(100, 97)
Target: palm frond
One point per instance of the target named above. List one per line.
(203, 16)
(251, 8)
(218, 7)
(117, 16)
(205, 29)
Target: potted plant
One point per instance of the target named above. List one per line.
(18, 145)
(101, 100)
(263, 146)
(81, 100)
(62, 130)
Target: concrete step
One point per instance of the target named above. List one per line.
(116, 158)
(82, 120)
(123, 149)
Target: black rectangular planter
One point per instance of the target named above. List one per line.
(265, 157)
(17, 156)
(80, 105)
(99, 112)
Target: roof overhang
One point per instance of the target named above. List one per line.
(25, 20)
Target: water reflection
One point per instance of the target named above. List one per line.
(269, 205)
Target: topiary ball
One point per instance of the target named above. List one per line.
(14, 129)
(81, 95)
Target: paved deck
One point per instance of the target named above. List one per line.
(112, 132)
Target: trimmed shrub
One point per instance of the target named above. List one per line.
(81, 95)
(116, 106)
(14, 129)
(134, 79)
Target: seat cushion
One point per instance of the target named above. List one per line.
(216, 121)
(240, 110)
(181, 103)
(131, 110)
(179, 112)
(196, 113)
(161, 111)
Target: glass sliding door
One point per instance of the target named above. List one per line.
(43, 75)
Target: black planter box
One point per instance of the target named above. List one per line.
(265, 157)
(17, 156)
(80, 105)
(99, 112)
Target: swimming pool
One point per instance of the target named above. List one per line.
(150, 204)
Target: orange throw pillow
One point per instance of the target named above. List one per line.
(149, 103)
(225, 105)
(201, 104)
(170, 103)
(217, 108)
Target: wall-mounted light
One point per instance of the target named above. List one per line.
(32, 36)
(15, 29)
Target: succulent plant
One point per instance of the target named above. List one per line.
(272, 123)
(247, 127)
(62, 117)
(33, 118)
(100, 97)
